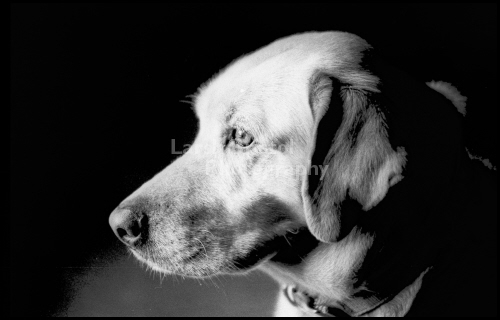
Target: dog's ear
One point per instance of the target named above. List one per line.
(356, 162)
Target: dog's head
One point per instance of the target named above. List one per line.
(286, 134)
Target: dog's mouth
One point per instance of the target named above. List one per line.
(289, 249)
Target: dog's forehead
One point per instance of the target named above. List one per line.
(276, 70)
(251, 95)
(274, 87)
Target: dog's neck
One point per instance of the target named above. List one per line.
(396, 306)
(324, 285)
(320, 269)
(324, 277)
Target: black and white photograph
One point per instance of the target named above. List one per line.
(253, 160)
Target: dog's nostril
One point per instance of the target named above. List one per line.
(143, 223)
(127, 226)
(121, 232)
(135, 229)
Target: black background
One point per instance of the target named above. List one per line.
(96, 95)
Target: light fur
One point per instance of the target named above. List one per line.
(206, 209)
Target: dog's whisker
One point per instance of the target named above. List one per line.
(214, 283)
(284, 236)
(206, 254)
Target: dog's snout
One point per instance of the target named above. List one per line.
(130, 227)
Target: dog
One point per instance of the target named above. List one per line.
(340, 176)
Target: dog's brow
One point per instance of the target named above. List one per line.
(281, 141)
(230, 113)
(258, 123)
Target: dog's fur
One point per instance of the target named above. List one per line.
(360, 229)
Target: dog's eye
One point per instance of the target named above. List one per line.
(242, 138)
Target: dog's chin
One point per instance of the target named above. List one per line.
(192, 269)
(287, 249)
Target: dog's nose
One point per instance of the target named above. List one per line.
(128, 226)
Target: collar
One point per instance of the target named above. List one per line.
(313, 305)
